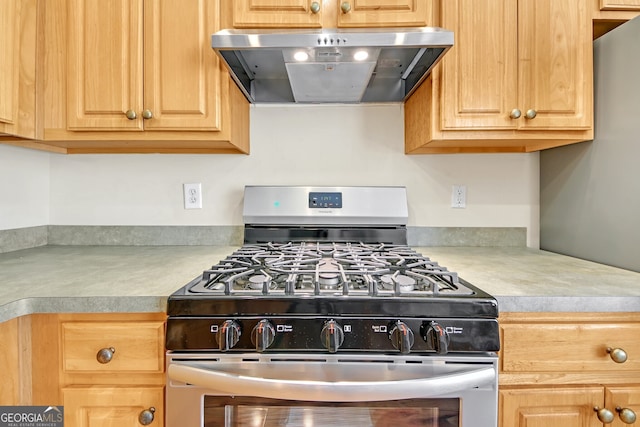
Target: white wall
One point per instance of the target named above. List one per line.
(24, 188)
(315, 145)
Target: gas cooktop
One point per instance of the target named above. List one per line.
(328, 268)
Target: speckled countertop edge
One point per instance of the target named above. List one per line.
(99, 279)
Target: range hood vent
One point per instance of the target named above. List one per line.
(331, 65)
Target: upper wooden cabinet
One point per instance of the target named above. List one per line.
(518, 79)
(18, 26)
(620, 5)
(330, 14)
(138, 76)
(608, 14)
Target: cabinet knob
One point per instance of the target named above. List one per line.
(147, 114)
(627, 415)
(131, 115)
(146, 417)
(618, 355)
(531, 114)
(515, 113)
(315, 7)
(345, 7)
(105, 355)
(604, 415)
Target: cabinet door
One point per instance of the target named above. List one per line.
(18, 67)
(277, 13)
(9, 50)
(619, 4)
(182, 76)
(384, 13)
(104, 64)
(555, 64)
(623, 398)
(98, 406)
(479, 74)
(544, 407)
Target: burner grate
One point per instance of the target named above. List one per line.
(321, 268)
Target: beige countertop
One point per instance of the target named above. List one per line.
(52, 279)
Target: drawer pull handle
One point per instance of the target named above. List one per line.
(627, 415)
(105, 355)
(146, 417)
(618, 355)
(515, 113)
(131, 115)
(604, 415)
(315, 7)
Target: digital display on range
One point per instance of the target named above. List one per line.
(325, 200)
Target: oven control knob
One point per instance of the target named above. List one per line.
(332, 336)
(437, 338)
(228, 335)
(401, 337)
(262, 335)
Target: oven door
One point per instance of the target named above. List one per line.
(207, 390)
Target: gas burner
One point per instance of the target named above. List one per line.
(403, 283)
(258, 281)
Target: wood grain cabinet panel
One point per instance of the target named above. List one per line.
(104, 64)
(272, 13)
(134, 347)
(101, 406)
(18, 32)
(620, 5)
(137, 77)
(556, 370)
(149, 57)
(385, 13)
(566, 407)
(518, 79)
(608, 14)
(10, 363)
(330, 14)
(115, 392)
(567, 347)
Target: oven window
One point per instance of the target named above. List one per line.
(257, 412)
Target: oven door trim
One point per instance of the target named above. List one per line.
(353, 378)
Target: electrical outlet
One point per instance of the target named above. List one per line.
(459, 196)
(193, 196)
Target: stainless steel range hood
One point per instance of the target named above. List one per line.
(331, 66)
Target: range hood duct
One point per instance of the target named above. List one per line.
(331, 65)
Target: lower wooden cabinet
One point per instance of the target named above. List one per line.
(106, 369)
(115, 406)
(546, 407)
(10, 363)
(569, 369)
(112, 369)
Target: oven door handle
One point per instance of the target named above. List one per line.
(325, 391)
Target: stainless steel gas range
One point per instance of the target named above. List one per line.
(325, 317)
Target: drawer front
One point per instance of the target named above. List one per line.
(123, 346)
(99, 406)
(568, 347)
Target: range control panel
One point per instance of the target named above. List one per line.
(331, 200)
(333, 334)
